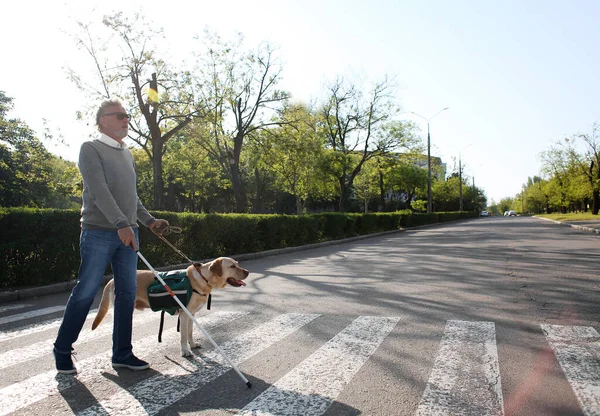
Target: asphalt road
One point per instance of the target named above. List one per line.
(492, 316)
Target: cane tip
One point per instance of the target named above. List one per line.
(249, 385)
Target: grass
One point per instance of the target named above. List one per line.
(575, 216)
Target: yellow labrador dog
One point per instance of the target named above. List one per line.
(203, 278)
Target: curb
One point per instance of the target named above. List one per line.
(567, 224)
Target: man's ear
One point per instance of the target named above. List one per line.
(217, 267)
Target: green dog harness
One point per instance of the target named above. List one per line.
(161, 300)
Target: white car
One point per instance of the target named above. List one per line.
(510, 213)
(484, 214)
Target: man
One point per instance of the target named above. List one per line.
(109, 235)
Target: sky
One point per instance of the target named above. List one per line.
(516, 75)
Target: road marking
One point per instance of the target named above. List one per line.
(465, 379)
(13, 307)
(38, 327)
(31, 314)
(577, 349)
(152, 395)
(311, 387)
(20, 395)
(39, 349)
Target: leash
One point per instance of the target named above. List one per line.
(166, 231)
(183, 308)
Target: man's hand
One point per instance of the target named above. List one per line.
(159, 226)
(127, 237)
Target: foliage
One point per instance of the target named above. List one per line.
(352, 121)
(572, 176)
(213, 133)
(294, 151)
(29, 174)
(239, 87)
(160, 94)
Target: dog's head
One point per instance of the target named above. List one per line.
(226, 271)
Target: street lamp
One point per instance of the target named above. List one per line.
(429, 156)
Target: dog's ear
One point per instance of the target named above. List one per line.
(217, 267)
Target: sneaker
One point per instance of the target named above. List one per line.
(64, 362)
(131, 362)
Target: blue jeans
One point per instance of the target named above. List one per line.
(97, 249)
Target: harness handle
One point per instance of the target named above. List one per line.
(168, 229)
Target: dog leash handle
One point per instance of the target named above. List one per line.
(187, 312)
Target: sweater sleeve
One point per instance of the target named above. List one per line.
(94, 179)
(143, 215)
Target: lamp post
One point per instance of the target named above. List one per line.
(460, 183)
(429, 202)
(460, 207)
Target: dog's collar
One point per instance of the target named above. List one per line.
(198, 268)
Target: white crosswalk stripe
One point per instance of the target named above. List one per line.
(465, 378)
(27, 392)
(13, 307)
(38, 349)
(152, 395)
(313, 385)
(31, 314)
(37, 327)
(577, 349)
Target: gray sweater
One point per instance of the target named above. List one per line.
(110, 199)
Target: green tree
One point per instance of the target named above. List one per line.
(446, 194)
(352, 121)
(293, 150)
(404, 179)
(240, 87)
(366, 184)
(29, 174)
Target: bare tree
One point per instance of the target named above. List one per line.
(242, 94)
(352, 121)
(162, 100)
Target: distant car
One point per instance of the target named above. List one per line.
(510, 213)
(484, 214)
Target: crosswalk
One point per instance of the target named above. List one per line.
(465, 378)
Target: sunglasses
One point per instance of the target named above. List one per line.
(120, 116)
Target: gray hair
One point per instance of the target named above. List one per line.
(103, 107)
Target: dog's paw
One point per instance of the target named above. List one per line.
(194, 344)
(186, 352)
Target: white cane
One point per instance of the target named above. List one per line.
(183, 308)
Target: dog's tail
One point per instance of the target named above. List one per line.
(104, 304)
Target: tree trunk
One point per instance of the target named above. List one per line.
(299, 205)
(343, 195)
(595, 202)
(241, 199)
(381, 193)
(157, 173)
(258, 205)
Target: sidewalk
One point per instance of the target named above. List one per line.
(590, 226)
